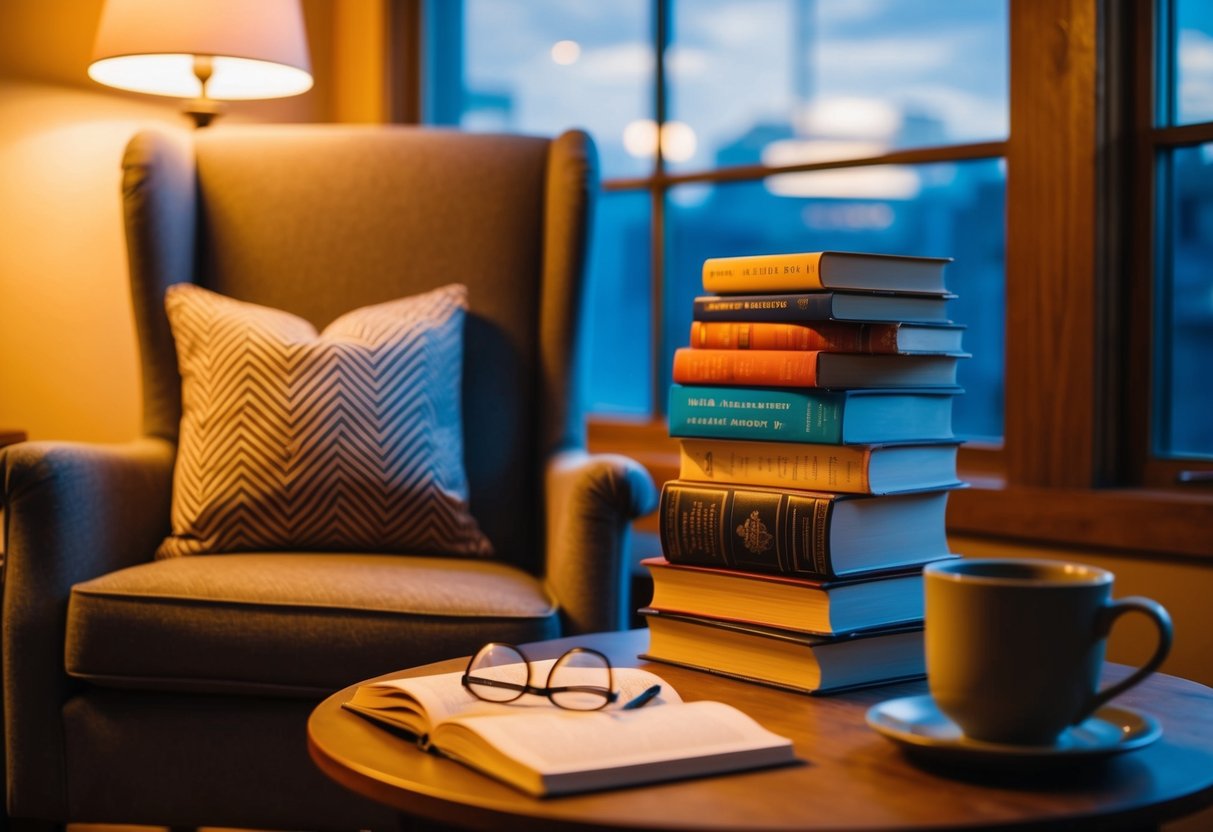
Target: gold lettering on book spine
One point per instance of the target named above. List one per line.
(754, 535)
(821, 544)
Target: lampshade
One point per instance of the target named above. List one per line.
(218, 49)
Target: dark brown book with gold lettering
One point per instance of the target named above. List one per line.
(808, 534)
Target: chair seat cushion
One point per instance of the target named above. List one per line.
(302, 624)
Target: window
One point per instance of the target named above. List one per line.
(542, 66)
(1179, 153)
(1074, 195)
(785, 124)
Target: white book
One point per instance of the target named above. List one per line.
(544, 750)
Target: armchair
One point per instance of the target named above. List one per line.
(175, 691)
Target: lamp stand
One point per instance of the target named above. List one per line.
(203, 109)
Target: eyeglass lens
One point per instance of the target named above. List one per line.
(498, 673)
(580, 681)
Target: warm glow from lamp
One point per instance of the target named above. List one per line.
(205, 50)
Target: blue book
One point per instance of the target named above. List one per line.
(808, 415)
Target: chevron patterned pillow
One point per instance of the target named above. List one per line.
(350, 440)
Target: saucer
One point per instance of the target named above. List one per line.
(917, 724)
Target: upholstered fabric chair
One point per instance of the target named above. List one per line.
(175, 691)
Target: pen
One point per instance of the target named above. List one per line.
(642, 699)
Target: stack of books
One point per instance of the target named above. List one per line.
(814, 412)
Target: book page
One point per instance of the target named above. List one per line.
(555, 742)
(425, 698)
(441, 696)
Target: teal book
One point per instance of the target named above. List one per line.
(811, 415)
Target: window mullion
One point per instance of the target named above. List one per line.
(1139, 318)
(1051, 409)
(661, 37)
(749, 173)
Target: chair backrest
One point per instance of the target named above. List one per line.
(320, 220)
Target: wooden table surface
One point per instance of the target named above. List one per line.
(850, 777)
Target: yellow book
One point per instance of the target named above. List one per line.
(801, 662)
(852, 469)
(822, 270)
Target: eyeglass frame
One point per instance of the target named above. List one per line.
(609, 696)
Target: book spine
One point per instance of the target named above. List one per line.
(827, 336)
(794, 307)
(774, 532)
(787, 368)
(777, 464)
(763, 272)
(744, 413)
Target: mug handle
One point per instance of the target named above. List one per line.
(1114, 610)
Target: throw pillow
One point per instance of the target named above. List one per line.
(348, 440)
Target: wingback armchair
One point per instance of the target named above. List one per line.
(175, 691)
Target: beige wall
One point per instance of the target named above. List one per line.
(67, 349)
(1184, 588)
(359, 62)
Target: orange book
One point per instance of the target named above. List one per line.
(776, 368)
(811, 368)
(828, 336)
(835, 336)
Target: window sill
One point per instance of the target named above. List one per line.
(1172, 523)
(1146, 522)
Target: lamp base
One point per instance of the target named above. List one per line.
(202, 110)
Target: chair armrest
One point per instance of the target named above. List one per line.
(72, 512)
(591, 501)
(82, 509)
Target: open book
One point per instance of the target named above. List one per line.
(544, 750)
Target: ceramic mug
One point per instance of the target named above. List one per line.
(1014, 648)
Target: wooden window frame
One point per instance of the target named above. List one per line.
(1152, 143)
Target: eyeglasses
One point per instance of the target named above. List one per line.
(580, 680)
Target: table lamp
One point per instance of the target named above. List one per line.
(203, 50)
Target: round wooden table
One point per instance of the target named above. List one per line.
(850, 778)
